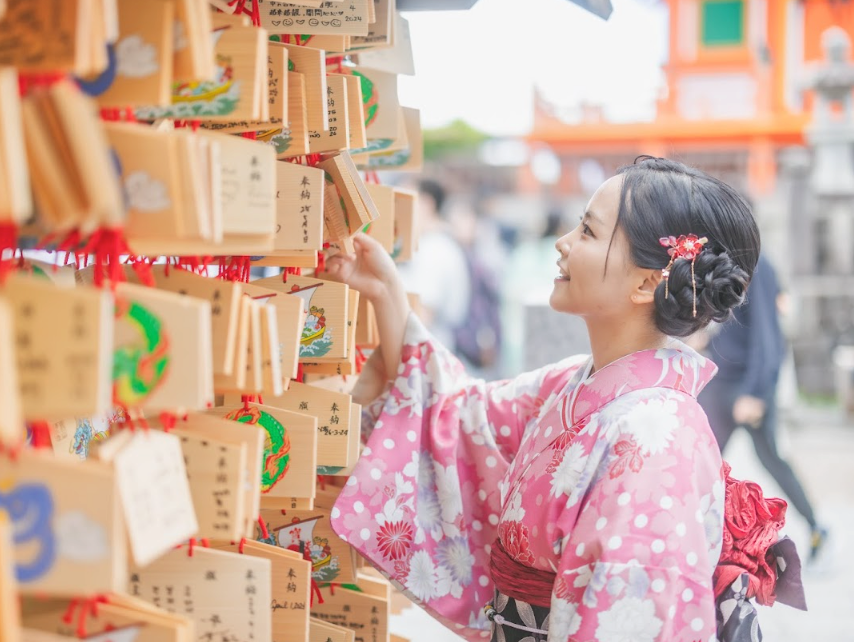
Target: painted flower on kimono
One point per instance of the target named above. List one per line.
(562, 620)
(652, 424)
(394, 540)
(569, 470)
(453, 553)
(422, 579)
(514, 538)
(629, 620)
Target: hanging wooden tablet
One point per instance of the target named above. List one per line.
(224, 298)
(321, 631)
(233, 94)
(225, 594)
(236, 380)
(62, 348)
(398, 58)
(254, 380)
(332, 412)
(195, 192)
(330, 44)
(231, 432)
(379, 97)
(336, 217)
(216, 472)
(290, 448)
(11, 419)
(193, 53)
(143, 55)
(152, 482)
(85, 137)
(271, 366)
(367, 333)
(310, 531)
(67, 525)
(411, 157)
(326, 303)
(355, 112)
(381, 29)
(290, 320)
(382, 229)
(367, 615)
(405, 225)
(16, 204)
(299, 207)
(275, 97)
(151, 180)
(291, 140)
(360, 209)
(291, 597)
(47, 37)
(61, 202)
(248, 181)
(311, 63)
(159, 346)
(337, 135)
(120, 618)
(10, 615)
(72, 439)
(346, 366)
(332, 18)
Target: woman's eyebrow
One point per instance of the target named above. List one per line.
(591, 216)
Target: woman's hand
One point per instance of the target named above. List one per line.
(370, 270)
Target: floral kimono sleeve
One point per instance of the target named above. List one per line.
(641, 530)
(423, 502)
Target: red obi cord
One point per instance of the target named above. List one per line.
(521, 582)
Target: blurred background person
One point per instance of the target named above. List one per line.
(438, 272)
(749, 351)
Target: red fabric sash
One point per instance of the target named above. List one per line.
(521, 582)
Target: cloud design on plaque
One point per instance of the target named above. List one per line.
(80, 539)
(136, 58)
(146, 194)
(180, 41)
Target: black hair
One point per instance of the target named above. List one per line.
(434, 190)
(661, 198)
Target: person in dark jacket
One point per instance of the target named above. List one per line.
(749, 350)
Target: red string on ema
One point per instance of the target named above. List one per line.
(8, 242)
(265, 534)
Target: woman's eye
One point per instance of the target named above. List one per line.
(585, 229)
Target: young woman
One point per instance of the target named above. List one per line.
(584, 501)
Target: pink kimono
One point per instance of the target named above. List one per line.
(613, 481)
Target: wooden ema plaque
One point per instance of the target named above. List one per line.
(223, 593)
(291, 588)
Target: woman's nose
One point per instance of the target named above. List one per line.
(562, 244)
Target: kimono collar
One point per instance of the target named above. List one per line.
(677, 367)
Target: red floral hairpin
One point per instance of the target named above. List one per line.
(684, 247)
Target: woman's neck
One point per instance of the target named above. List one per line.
(612, 340)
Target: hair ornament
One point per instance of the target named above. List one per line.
(684, 247)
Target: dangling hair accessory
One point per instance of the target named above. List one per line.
(684, 247)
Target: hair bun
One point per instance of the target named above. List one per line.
(721, 285)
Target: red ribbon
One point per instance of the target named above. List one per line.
(8, 241)
(290, 270)
(84, 607)
(264, 532)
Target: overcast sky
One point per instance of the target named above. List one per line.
(481, 65)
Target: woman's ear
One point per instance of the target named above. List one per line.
(645, 292)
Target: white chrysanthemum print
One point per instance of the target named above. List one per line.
(422, 580)
(629, 620)
(652, 423)
(562, 620)
(514, 511)
(428, 516)
(569, 471)
(453, 553)
(448, 488)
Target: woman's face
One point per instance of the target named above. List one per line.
(584, 287)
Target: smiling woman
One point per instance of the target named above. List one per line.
(585, 500)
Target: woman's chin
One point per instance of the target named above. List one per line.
(560, 301)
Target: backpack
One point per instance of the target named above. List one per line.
(479, 338)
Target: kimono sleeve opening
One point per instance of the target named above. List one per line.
(423, 502)
(640, 547)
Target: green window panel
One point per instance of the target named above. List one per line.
(722, 23)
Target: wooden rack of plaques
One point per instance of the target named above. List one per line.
(174, 433)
